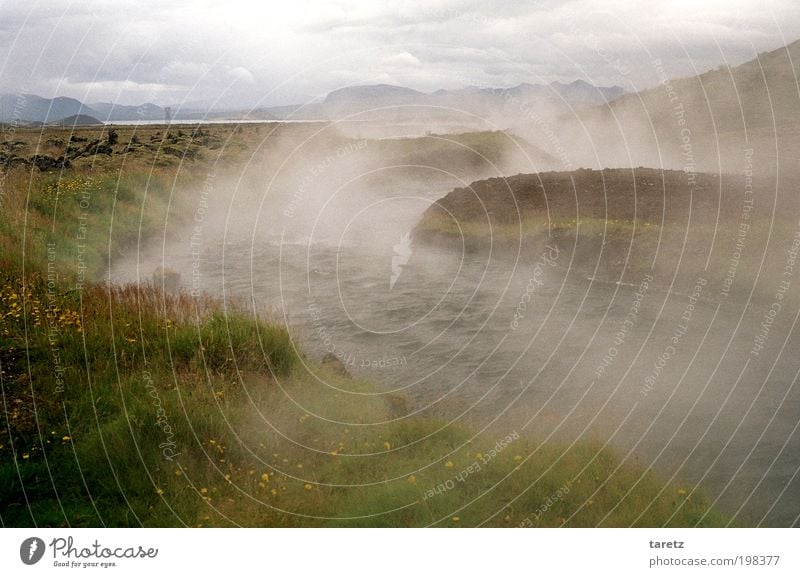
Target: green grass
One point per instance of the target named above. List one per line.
(125, 406)
(532, 226)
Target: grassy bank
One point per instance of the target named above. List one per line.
(126, 406)
(617, 225)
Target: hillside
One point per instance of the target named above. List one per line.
(111, 111)
(618, 224)
(395, 103)
(78, 120)
(704, 122)
(32, 108)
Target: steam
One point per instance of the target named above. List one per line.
(316, 228)
(402, 253)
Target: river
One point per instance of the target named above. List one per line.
(666, 374)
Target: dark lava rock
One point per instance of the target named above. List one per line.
(332, 362)
(45, 163)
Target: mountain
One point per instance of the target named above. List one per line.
(372, 93)
(77, 120)
(355, 99)
(576, 93)
(704, 122)
(757, 94)
(582, 93)
(388, 102)
(32, 108)
(110, 112)
(376, 102)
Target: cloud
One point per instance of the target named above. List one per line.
(274, 53)
(402, 59)
(241, 74)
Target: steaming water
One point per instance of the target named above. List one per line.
(678, 390)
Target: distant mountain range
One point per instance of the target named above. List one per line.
(366, 102)
(33, 108)
(709, 122)
(379, 101)
(578, 93)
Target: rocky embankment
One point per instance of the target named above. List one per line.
(617, 225)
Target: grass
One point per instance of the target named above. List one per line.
(535, 225)
(127, 406)
(638, 247)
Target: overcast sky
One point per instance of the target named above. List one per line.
(280, 52)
